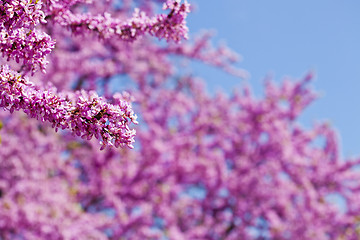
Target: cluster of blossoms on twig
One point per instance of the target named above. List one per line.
(31, 46)
(19, 40)
(86, 114)
(170, 27)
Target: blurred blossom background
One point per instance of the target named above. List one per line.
(202, 167)
(280, 39)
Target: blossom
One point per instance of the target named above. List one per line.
(85, 114)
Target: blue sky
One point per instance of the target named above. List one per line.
(289, 38)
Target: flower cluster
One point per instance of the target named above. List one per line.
(86, 115)
(21, 13)
(171, 26)
(31, 46)
(18, 38)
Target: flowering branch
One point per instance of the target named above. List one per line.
(171, 26)
(85, 114)
(31, 46)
